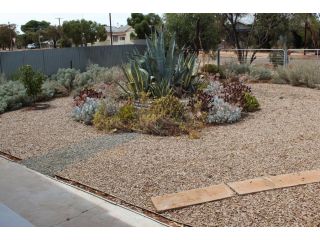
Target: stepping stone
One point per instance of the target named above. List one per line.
(191, 197)
(251, 185)
(295, 179)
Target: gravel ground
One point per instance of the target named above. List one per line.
(30, 133)
(283, 137)
(56, 160)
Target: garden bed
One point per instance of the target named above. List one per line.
(283, 137)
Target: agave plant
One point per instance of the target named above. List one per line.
(138, 80)
(167, 70)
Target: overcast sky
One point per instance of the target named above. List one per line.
(21, 18)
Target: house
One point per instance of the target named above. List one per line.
(120, 35)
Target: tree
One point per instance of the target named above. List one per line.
(82, 32)
(195, 30)
(144, 25)
(52, 33)
(305, 27)
(34, 26)
(263, 32)
(32, 81)
(7, 33)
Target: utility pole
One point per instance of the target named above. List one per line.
(110, 28)
(59, 18)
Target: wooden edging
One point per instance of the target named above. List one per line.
(222, 191)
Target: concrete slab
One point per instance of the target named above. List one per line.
(9, 218)
(192, 197)
(46, 202)
(251, 185)
(295, 179)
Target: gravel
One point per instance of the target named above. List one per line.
(26, 133)
(56, 160)
(283, 137)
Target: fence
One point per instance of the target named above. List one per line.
(267, 57)
(260, 57)
(49, 61)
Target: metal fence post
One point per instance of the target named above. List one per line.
(285, 57)
(218, 58)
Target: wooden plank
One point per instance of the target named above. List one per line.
(295, 179)
(191, 197)
(251, 185)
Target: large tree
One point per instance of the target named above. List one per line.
(144, 25)
(82, 32)
(34, 26)
(195, 30)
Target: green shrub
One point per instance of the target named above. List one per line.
(169, 107)
(127, 113)
(299, 74)
(51, 89)
(3, 78)
(234, 68)
(13, 96)
(213, 69)
(251, 103)
(32, 80)
(65, 77)
(260, 73)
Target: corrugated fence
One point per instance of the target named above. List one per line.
(49, 61)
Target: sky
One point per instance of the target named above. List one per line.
(21, 18)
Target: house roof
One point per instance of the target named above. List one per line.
(120, 29)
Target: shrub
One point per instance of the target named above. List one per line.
(233, 93)
(223, 112)
(299, 74)
(51, 89)
(212, 69)
(32, 80)
(250, 103)
(13, 96)
(234, 68)
(127, 113)
(260, 73)
(169, 107)
(115, 117)
(85, 112)
(276, 58)
(66, 76)
(3, 78)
